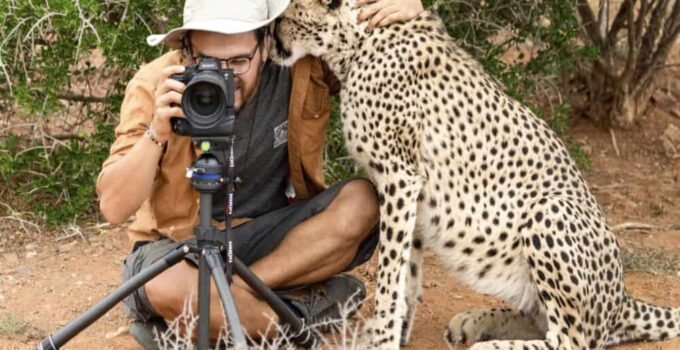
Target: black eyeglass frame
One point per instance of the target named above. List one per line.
(224, 63)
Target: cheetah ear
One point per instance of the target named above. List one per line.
(332, 4)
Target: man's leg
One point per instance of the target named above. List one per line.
(325, 244)
(168, 292)
(312, 251)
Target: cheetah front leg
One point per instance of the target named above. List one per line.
(398, 193)
(414, 288)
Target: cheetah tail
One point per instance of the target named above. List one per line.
(642, 321)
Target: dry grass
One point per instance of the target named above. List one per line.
(342, 334)
(651, 260)
(13, 327)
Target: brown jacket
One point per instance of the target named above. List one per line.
(172, 209)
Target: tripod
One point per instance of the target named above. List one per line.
(206, 177)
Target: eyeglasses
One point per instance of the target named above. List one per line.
(239, 64)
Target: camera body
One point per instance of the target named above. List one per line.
(207, 101)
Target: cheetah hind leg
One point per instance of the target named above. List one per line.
(492, 324)
(414, 288)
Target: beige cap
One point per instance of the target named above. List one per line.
(222, 16)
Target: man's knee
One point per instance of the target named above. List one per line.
(168, 291)
(355, 210)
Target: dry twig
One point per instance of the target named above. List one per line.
(616, 146)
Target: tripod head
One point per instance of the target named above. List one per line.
(207, 177)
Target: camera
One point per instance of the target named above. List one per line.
(207, 101)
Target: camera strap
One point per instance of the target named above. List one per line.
(228, 211)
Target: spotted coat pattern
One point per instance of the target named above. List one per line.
(466, 171)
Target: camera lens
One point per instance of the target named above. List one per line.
(205, 99)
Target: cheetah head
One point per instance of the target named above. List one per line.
(322, 28)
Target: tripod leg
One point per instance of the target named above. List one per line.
(214, 261)
(203, 303)
(56, 340)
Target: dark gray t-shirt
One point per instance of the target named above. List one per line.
(260, 148)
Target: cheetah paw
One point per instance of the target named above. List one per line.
(465, 328)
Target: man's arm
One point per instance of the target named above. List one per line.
(128, 175)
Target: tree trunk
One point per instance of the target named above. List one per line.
(628, 106)
(612, 102)
(620, 87)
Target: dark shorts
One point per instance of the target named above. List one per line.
(252, 240)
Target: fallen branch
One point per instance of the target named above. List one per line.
(632, 226)
(22, 223)
(616, 147)
(69, 96)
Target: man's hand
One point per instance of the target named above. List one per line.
(168, 93)
(385, 12)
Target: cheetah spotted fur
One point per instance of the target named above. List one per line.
(468, 172)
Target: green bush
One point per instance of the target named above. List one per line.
(57, 183)
(48, 67)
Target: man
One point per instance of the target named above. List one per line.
(300, 233)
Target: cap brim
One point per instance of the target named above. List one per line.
(224, 26)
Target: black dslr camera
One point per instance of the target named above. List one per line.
(207, 102)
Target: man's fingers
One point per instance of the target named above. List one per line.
(172, 97)
(165, 113)
(394, 17)
(167, 86)
(167, 99)
(378, 17)
(176, 112)
(170, 70)
(368, 11)
(173, 85)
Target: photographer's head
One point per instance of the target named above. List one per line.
(230, 30)
(244, 53)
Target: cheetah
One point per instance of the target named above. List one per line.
(466, 171)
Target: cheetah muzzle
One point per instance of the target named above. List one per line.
(468, 172)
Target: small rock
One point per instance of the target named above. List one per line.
(432, 284)
(22, 269)
(64, 248)
(31, 254)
